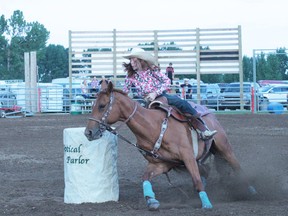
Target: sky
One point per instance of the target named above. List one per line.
(264, 23)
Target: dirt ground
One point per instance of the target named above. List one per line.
(32, 174)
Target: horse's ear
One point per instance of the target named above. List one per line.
(110, 87)
(103, 84)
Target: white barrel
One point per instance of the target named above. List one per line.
(90, 167)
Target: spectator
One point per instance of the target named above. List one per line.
(170, 72)
(84, 89)
(94, 85)
(187, 88)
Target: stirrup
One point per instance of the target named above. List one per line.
(206, 135)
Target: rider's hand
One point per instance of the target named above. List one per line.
(151, 96)
(130, 94)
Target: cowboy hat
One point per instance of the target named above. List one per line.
(141, 54)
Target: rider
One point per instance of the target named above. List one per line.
(150, 83)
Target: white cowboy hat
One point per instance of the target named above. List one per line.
(141, 54)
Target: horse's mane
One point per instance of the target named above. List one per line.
(104, 91)
(120, 91)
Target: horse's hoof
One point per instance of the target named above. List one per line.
(153, 204)
(207, 206)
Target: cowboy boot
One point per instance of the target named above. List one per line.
(205, 133)
(200, 126)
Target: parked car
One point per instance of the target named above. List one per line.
(275, 93)
(7, 99)
(230, 98)
(222, 86)
(209, 94)
(178, 83)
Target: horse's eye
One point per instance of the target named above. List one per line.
(101, 106)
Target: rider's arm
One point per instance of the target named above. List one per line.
(164, 81)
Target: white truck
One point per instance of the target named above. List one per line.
(275, 93)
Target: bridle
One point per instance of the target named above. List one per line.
(103, 125)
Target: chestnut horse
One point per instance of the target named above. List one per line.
(163, 151)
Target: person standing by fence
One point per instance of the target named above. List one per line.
(186, 89)
(170, 72)
(94, 86)
(84, 89)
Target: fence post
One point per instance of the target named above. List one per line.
(252, 100)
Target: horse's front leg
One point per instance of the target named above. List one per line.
(152, 170)
(193, 169)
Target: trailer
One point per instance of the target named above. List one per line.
(14, 112)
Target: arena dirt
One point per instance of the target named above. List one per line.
(32, 176)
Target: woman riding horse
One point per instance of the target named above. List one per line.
(165, 142)
(166, 150)
(145, 77)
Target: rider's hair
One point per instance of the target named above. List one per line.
(129, 69)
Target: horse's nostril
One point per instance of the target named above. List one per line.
(88, 133)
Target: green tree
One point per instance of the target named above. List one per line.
(282, 57)
(52, 63)
(261, 67)
(20, 37)
(211, 78)
(272, 66)
(36, 37)
(247, 68)
(3, 47)
(272, 69)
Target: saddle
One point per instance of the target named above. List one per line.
(162, 103)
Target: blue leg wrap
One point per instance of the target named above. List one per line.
(205, 200)
(147, 189)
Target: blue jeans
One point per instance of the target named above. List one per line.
(180, 104)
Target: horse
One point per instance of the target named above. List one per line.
(166, 150)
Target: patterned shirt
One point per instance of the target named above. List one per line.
(145, 82)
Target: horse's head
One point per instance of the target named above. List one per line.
(102, 115)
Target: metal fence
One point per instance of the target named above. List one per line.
(58, 99)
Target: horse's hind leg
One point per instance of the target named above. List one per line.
(224, 151)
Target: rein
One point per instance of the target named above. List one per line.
(143, 151)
